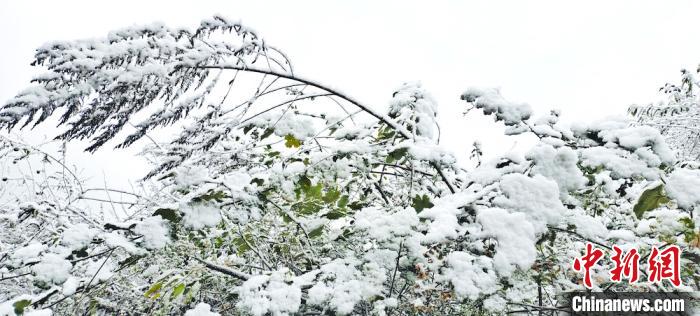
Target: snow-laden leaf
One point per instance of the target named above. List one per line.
(291, 142)
(650, 199)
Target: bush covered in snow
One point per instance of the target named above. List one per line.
(301, 200)
(677, 116)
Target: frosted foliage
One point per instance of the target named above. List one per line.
(413, 106)
(199, 216)
(471, 276)
(78, 236)
(684, 186)
(342, 285)
(29, 252)
(40, 312)
(154, 231)
(188, 176)
(274, 194)
(676, 116)
(201, 309)
(385, 227)
(633, 138)
(536, 197)
(491, 102)
(620, 162)
(558, 164)
(275, 294)
(114, 239)
(52, 268)
(516, 239)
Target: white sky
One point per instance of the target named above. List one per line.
(590, 59)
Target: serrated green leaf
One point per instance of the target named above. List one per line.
(291, 141)
(306, 207)
(331, 196)
(20, 306)
(385, 133)
(396, 154)
(687, 223)
(314, 191)
(421, 202)
(304, 182)
(650, 200)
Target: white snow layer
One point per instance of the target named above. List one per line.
(683, 185)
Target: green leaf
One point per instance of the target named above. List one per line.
(303, 184)
(286, 218)
(396, 154)
(331, 196)
(335, 214)
(316, 232)
(421, 202)
(20, 306)
(343, 201)
(178, 290)
(168, 214)
(218, 242)
(649, 200)
(241, 245)
(385, 133)
(291, 141)
(356, 205)
(306, 208)
(315, 191)
(153, 291)
(209, 196)
(267, 133)
(80, 253)
(687, 223)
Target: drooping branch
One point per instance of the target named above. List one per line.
(382, 118)
(315, 84)
(224, 270)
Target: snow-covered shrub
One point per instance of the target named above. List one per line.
(300, 199)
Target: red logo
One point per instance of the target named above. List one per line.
(589, 260)
(627, 265)
(665, 265)
(661, 265)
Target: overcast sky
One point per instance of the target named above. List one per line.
(590, 59)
